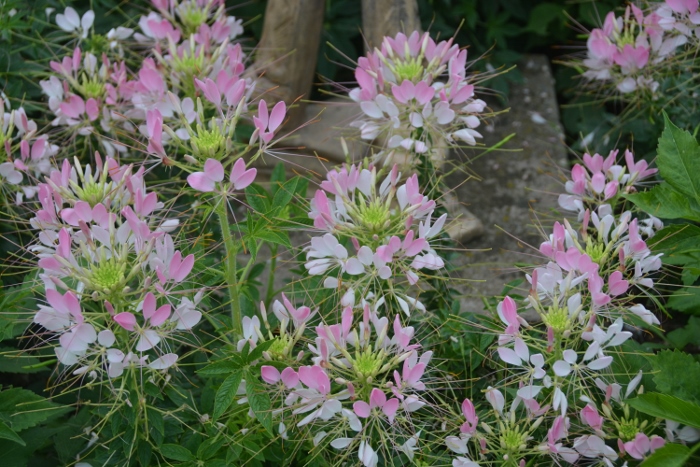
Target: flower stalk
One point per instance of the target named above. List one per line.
(230, 273)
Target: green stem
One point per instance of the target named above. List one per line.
(271, 276)
(231, 279)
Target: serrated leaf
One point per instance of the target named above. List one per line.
(25, 409)
(209, 448)
(676, 238)
(665, 202)
(144, 453)
(275, 236)
(668, 365)
(688, 334)
(7, 433)
(220, 368)
(259, 400)
(257, 352)
(285, 193)
(257, 198)
(665, 406)
(669, 455)
(686, 300)
(176, 452)
(678, 159)
(279, 175)
(11, 363)
(226, 393)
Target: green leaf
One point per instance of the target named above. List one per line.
(665, 406)
(686, 300)
(220, 368)
(259, 400)
(542, 15)
(668, 365)
(665, 202)
(670, 455)
(688, 334)
(275, 236)
(11, 362)
(257, 198)
(24, 409)
(144, 452)
(226, 393)
(209, 448)
(676, 238)
(7, 433)
(279, 175)
(176, 452)
(678, 160)
(285, 193)
(257, 352)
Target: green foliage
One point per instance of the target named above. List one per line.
(677, 197)
(668, 365)
(238, 367)
(678, 161)
(665, 406)
(22, 409)
(670, 455)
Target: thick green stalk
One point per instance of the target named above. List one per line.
(231, 279)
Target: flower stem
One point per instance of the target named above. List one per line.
(231, 279)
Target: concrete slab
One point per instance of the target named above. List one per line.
(513, 182)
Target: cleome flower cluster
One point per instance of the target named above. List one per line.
(634, 51)
(414, 94)
(112, 276)
(390, 226)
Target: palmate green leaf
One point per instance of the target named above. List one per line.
(678, 159)
(259, 400)
(670, 455)
(22, 409)
(668, 365)
(666, 202)
(7, 433)
(665, 406)
(226, 393)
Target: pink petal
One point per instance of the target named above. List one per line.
(149, 305)
(125, 320)
(290, 378)
(160, 316)
(277, 116)
(269, 374)
(390, 408)
(92, 110)
(214, 170)
(201, 182)
(377, 398)
(262, 117)
(361, 409)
